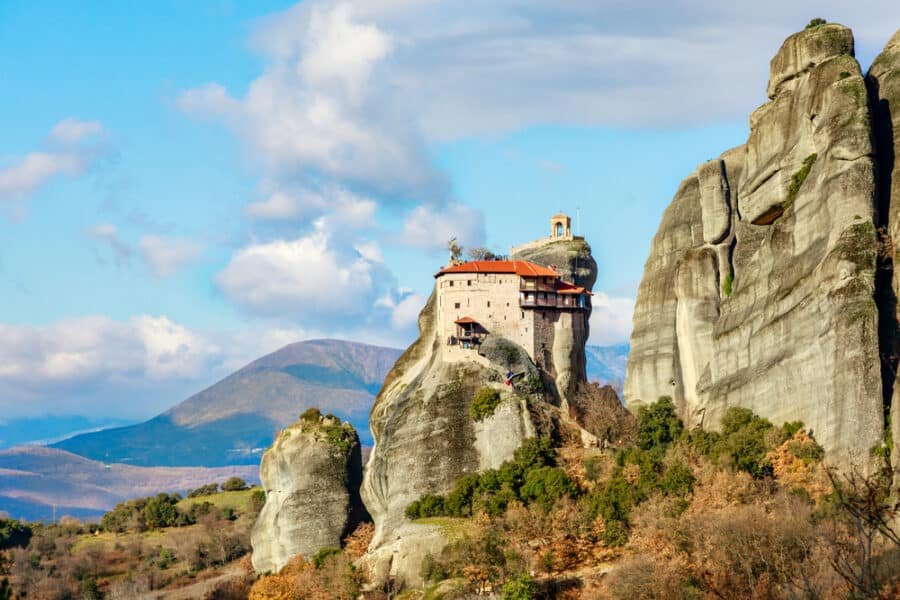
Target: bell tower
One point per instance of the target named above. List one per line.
(560, 227)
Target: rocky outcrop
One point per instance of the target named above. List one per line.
(311, 476)
(884, 92)
(760, 284)
(426, 438)
(573, 260)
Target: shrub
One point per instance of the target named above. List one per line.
(204, 490)
(816, 22)
(535, 453)
(678, 480)
(160, 511)
(494, 489)
(521, 587)
(234, 484)
(484, 403)
(592, 468)
(546, 485)
(319, 558)
(615, 534)
(257, 502)
(727, 283)
(429, 505)
(798, 178)
(14, 533)
(433, 570)
(658, 425)
(311, 415)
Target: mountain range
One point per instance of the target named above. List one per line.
(234, 420)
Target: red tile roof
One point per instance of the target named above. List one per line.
(521, 268)
(465, 320)
(564, 287)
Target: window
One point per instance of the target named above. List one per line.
(451, 283)
(489, 304)
(468, 282)
(456, 305)
(523, 313)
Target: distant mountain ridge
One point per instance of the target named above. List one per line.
(38, 483)
(232, 421)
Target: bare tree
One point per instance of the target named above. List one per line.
(864, 529)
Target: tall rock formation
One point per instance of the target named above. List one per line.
(759, 288)
(884, 92)
(573, 260)
(311, 476)
(426, 439)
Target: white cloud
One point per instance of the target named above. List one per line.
(406, 313)
(72, 148)
(98, 348)
(308, 277)
(279, 206)
(94, 364)
(109, 235)
(455, 72)
(337, 50)
(610, 319)
(71, 131)
(432, 227)
(164, 256)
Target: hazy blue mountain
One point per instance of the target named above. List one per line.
(38, 482)
(606, 364)
(50, 428)
(234, 420)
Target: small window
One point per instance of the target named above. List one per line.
(489, 304)
(451, 283)
(468, 282)
(523, 313)
(456, 305)
(507, 305)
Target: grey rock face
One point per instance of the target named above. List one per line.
(425, 440)
(311, 476)
(758, 290)
(884, 87)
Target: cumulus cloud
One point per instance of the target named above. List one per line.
(164, 256)
(94, 363)
(431, 227)
(92, 348)
(108, 234)
(518, 63)
(405, 314)
(71, 149)
(610, 319)
(309, 277)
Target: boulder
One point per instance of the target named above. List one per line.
(311, 476)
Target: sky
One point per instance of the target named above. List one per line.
(186, 186)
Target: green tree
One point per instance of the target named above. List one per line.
(658, 425)
(234, 484)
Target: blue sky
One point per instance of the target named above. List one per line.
(185, 186)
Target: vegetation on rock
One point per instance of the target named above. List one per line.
(484, 403)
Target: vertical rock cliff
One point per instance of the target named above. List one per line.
(311, 476)
(426, 439)
(884, 93)
(760, 286)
